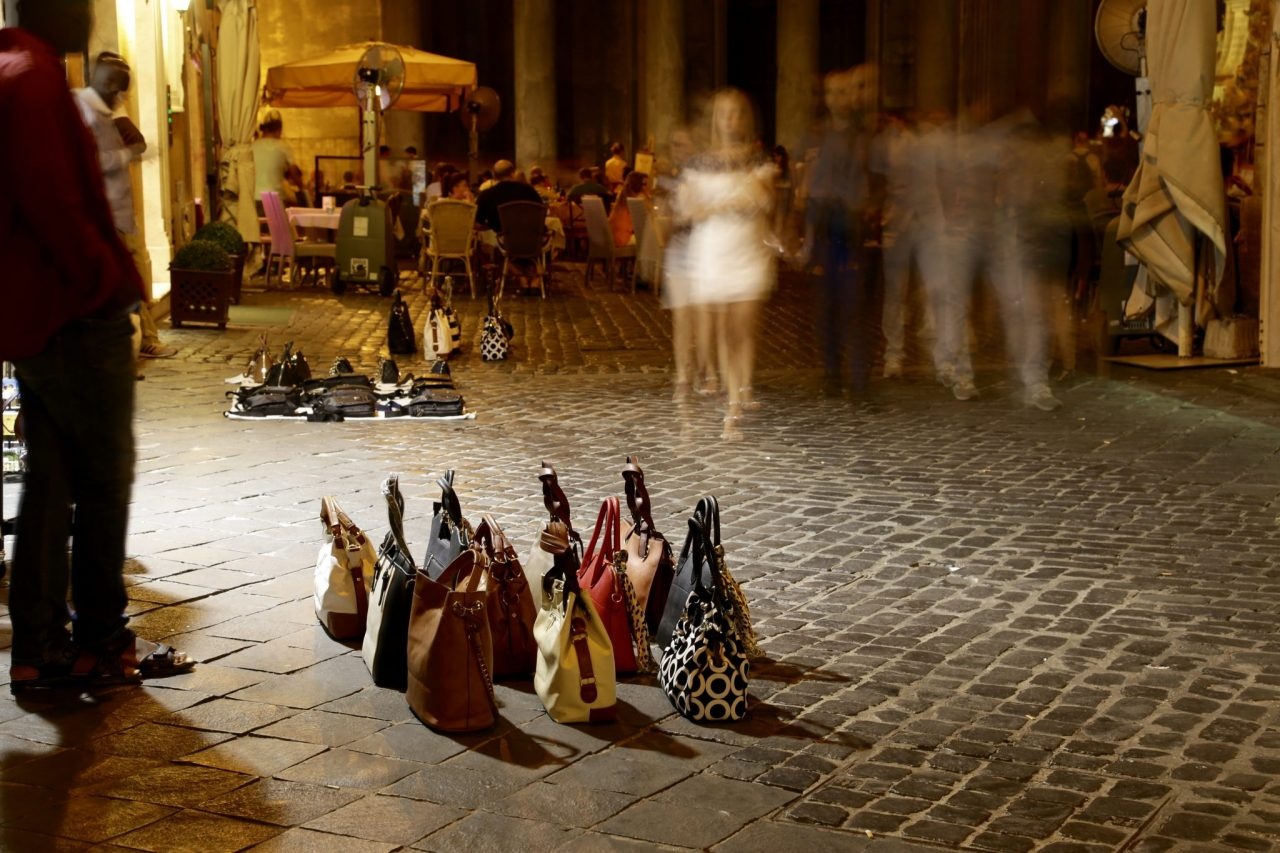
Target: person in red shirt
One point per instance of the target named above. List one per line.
(67, 291)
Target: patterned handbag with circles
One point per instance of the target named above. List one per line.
(704, 667)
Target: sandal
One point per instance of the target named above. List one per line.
(157, 660)
(46, 676)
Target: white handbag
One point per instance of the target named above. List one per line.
(343, 573)
(575, 677)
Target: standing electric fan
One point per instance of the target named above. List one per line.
(479, 112)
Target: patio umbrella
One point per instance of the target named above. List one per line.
(1177, 194)
(432, 83)
(238, 110)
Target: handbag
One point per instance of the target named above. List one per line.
(400, 334)
(704, 667)
(450, 654)
(430, 402)
(707, 515)
(495, 334)
(266, 400)
(450, 533)
(291, 369)
(349, 401)
(386, 634)
(260, 363)
(509, 603)
(603, 576)
(574, 677)
(443, 328)
(388, 372)
(343, 574)
(649, 560)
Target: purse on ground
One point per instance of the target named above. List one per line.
(450, 652)
(704, 666)
(575, 676)
(604, 578)
(343, 573)
(649, 560)
(450, 534)
(400, 332)
(386, 634)
(509, 603)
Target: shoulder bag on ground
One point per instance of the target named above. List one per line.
(344, 573)
(386, 634)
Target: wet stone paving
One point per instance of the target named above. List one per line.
(984, 627)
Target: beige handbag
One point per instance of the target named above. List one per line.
(575, 676)
(343, 574)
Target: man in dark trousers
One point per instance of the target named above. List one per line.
(68, 288)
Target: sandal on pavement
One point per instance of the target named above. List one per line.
(46, 676)
(145, 659)
(157, 351)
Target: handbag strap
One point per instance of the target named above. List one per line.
(637, 494)
(703, 554)
(470, 616)
(395, 514)
(587, 689)
(708, 515)
(606, 534)
(449, 500)
(556, 539)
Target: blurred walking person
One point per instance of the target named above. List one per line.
(726, 198)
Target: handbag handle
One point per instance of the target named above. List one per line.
(606, 533)
(490, 537)
(449, 502)
(395, 514)
(708, 514)
(704, 553)
(637, 495)
(553, 497)
(470, 566)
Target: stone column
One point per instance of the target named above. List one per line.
(935, 56)
(797, 71)
(1267, 155)
(663, 71)
(534, 28)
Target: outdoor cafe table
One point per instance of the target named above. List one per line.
(314, 217)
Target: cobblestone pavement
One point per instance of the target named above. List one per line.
(984, 627)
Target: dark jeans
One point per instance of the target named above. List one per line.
(845, 301)
(77, 406)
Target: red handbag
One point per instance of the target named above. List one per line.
(603, 576)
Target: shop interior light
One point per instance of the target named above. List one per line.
(181, 5)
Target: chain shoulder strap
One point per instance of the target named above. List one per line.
(468, 614)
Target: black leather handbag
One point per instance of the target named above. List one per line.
(450, 533)
(265, 400)
(401, 339)
(386, 635)
(436, 402)
(346, 401)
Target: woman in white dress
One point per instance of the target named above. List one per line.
(726, 197)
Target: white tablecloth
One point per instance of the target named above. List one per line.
(314, 217)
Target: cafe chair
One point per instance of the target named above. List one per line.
(285, 244)
(450, 235)
(600, 246)
(524, 237)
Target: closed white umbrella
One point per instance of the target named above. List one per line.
(1177, 193)
(238, 73)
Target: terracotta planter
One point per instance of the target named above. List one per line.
(200, 296)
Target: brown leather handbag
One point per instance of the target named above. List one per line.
(450, 647)
(510, 604)
(649, 561)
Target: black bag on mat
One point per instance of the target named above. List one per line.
(386, 635)
(435, 402)
(349, 401)
(450, 533)
(265, 400)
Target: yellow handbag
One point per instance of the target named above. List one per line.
(575, 676)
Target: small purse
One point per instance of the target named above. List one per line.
(704, 667)
(495, 334)
(649, 561)
(400, 334)
(386, 634)
(450, 653)
(388, 372)
(266, 400)
(291, 369)
(603, 576)
(443, 328)
(260, 363)
(707, 516)
(343, 574)
(574, 677)
(509, 604)
(450, 533)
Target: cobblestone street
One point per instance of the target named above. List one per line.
(985, 627)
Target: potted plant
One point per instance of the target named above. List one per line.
(201, 274)
(226, 236)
